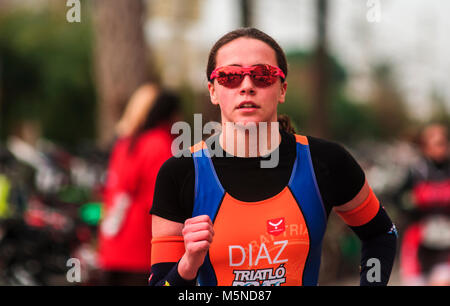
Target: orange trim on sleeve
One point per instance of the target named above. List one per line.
(363, 213)
(198, 146)
(360, 197)
(301, 139)
(167, 249)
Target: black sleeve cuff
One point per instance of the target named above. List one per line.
(166, 274)
(379, 225)
(379, 246)
(377, 259)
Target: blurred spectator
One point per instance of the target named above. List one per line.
(143, 144)
(424, 198)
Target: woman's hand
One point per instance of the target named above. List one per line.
(198, 234)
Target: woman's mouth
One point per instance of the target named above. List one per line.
(247, 105)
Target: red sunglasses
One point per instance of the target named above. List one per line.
(261, 75)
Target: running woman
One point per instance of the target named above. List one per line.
(221, 220)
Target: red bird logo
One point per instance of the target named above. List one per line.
(276, 226)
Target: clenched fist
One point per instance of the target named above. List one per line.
(198, 235)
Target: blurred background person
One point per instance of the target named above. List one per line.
(143, 144)
(424, 199)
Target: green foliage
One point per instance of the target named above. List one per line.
(349, 120)
(352, 121)
(440, 112)
(46, 75)
(297, 105)
(382, 117)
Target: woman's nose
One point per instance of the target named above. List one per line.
(247, 85)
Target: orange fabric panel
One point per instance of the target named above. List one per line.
(363, 213)
(198, 146)
(301, 139)
(167, 249)
(260, 241)
(360, 197)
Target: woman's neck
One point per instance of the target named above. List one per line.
(250, 139)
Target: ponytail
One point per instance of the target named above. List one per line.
(285, 124)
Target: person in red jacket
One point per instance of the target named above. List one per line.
(143, 145)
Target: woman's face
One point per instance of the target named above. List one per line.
(247, 52)
(435, 143)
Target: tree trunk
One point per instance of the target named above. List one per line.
(121, 59)
(246, 13)
(320, 110)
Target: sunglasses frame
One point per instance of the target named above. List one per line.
(247, 70)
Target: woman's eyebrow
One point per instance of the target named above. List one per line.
(239, 65)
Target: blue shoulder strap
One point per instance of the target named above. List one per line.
(207, 199)
(303, 186)
(208, 190)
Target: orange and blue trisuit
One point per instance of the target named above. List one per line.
(276, 241)
(273, 242)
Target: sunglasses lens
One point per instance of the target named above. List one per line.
(262, 76)
(230, 80)
(231, 77)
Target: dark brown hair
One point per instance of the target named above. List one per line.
(285, 124)
(283, 120)
(249, 33)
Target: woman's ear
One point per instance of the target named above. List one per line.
(212, 93)
(282, 92)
